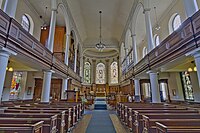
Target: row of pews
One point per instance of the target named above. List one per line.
(31, 117)
(159, 118)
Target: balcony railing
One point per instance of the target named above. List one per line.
(14, 37)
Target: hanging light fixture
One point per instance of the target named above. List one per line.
(157, 25)
(100, 46)
(44, 26)
(190, 68)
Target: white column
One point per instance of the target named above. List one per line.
(137, 90)
(190, 7)
(64, 88)
(149, 29)
(82, 62)
(4, 56)
(67, 49)
(154, 87)
(52, 25)
(126, 56)
(10, 7)
(46, 87)
(75, 60)
(135, 59)
(107, 71)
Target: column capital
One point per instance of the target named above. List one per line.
(146, 10)
(133, 35)
(46, 71)
(7, 51)
(151, 72)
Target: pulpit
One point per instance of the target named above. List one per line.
(71, 95)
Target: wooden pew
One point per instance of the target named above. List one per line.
(62, 116)
(189, 122)
(49, 125)
(22, 128)
(136, 118)
(166, 127)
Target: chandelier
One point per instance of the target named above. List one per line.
(157, 25)
(100, 46)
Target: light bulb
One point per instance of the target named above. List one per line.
(6, 68)
(190, 69)
(10, 69)
(195, 69)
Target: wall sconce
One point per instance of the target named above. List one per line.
(9, 68)
(190, 68)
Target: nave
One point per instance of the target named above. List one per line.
(99, 66)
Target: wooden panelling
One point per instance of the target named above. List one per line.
(59, 65)
(175, 45)
(196, 26)
(4, 27)
(142, 65)
(19, 38)
(58, 38)
(56, 87)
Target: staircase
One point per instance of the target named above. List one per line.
(100, 103)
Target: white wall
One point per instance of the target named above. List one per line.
(195, 86)
(175, 85)
(30, 84)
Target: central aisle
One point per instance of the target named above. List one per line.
(100, 122)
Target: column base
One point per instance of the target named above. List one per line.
(137, 99)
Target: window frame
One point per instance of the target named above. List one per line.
(26, 26)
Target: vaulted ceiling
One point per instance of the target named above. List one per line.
(114, 18)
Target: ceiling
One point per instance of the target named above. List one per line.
(114, 18)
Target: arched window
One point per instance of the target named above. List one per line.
(25, 23)
(114, 73)
(144, 52)
(87, 71)
(176, 22)
(156, 40)
(100, 73)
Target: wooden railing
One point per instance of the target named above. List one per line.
(185, 39)
(15, 38)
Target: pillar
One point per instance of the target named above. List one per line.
(67, 48)
(154, 87)
(10, 7)
(137, 90)
(148, 29)
(135, 58)
(75, 60)
(126, 56)
(190, 7)
(107, 71)
(52, 25)
(4, 56)
(46, 87)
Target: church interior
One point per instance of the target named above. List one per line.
(99, 66)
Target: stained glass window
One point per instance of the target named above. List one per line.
(87, 69)
(100, 73)
(187, 85)
(114, 73)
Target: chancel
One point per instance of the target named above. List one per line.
(99, 66)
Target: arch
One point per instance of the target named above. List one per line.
(156, 40)
(87, 72)
(144, 52)
(29, 28)
(174, 22)
(114, 72)
(100, 73)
